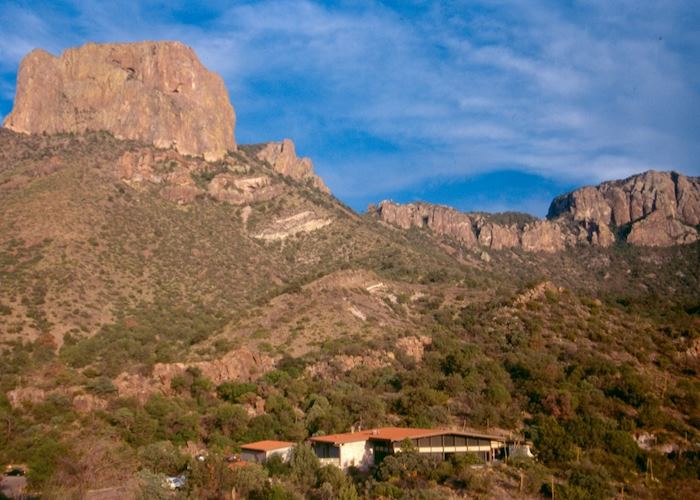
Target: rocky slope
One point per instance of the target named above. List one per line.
(155, 92)
(649, 209)
(135, 280)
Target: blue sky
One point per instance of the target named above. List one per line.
(484, 105)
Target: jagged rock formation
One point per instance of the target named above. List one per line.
(155, 92)
(283, 158)
(658, 208)
(175, 175)
(476, 229)
(653, 208)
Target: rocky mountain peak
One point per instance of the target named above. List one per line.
(656, 208)
(283, 158)
(155, 92)
(649, 209)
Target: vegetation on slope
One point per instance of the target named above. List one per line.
(590, 353)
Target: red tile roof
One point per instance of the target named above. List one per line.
(346, 437)
(387, 433)
(267, 445)
(393, 434)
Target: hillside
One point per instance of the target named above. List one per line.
(155, 305)
(108, 279)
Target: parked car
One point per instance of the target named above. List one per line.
(175, 482)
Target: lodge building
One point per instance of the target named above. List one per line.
(366, 448)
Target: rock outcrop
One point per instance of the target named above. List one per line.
(174, 175)
(282, 157)
(241, 364)
(25, 395)
(303, 222)
(653, 209)
(476, 229)
(658, 208)
(154, 92)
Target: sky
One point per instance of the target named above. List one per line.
(482, 105)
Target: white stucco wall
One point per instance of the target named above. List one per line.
(359, 454)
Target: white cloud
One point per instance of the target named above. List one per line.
(581, 92)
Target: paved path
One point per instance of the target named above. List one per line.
(13, 486)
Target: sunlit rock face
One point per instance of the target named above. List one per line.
(658, 208)
(652, 209)
(155, 92)
(283, 158)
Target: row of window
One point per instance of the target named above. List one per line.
(326, 450)
(449, 440)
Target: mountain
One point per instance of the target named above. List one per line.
(156, 92)
(648, 209)
(651, 209)
(156, 304)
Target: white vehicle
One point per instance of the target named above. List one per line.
(174, 482)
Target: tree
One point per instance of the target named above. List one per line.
(331, 480)
(233, 392)
(151, 486)
(163, 457)
(249, 481)
(231, 419)
(303, 465)
(552, 441)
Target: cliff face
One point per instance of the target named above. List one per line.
(657, 209)
(474, 229)
(283, 158)
(155, 92)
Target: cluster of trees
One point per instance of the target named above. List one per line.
(579, 407)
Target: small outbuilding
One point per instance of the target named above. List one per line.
(260, 451)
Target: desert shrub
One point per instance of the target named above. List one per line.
(233, 392)
(408, 469)
(231, 420)
(554, 444)
(150, 486)
(101, 386)
(44, 458)
(333, 483)
(303, 466)
(591, 480)
(162, 457)
(249, 481)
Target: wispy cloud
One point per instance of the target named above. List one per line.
(428, 90)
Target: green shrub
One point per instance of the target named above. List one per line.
(163, 457)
